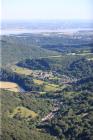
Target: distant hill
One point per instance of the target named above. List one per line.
(14, 49)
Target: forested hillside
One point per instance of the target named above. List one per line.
(24, 46)
(46, 86)
(14, 49)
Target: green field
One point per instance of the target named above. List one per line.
(38, 82)
(51, 87)
(21, 70)
(23, 113)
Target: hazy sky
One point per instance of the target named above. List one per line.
(46, 9)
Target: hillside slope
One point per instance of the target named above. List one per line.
(14, 49)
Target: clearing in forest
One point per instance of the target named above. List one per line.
(21, 70)
(23, 112)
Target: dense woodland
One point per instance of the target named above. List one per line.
(35, 64)
(74, 120)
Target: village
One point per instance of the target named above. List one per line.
(48, 75)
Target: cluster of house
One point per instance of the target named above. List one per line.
(66, 79)
(42, 74)
(49, 74)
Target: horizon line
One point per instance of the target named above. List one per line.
(1, 20)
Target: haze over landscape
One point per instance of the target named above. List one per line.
(45, 16)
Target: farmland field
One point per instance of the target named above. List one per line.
(38, 82)
(51, 87)
(9, 86)
(21, 70)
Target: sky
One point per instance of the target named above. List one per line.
(46, 9)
